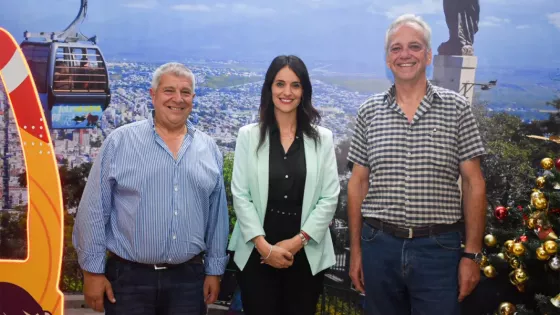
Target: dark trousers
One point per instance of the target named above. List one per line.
(271, 291)
(410, 276)
(141, 290)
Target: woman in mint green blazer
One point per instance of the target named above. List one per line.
(285, 191)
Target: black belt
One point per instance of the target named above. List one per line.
(414, 231)
(198, 259)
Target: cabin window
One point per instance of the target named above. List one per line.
(79, 70)
(37, 57)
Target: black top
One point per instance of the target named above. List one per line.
(286, 171)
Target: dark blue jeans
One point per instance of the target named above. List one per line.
(410, 276)
(142, 290)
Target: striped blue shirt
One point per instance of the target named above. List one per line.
(144, 205)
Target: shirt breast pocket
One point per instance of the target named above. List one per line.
(441, 147)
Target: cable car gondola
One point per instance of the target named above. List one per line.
(70, 74)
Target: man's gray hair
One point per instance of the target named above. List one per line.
(174, 68)
(412, 21)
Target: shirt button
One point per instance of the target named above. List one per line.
(174, 236)
(285, 157)
(175, 212)
(176, 188)
(169, 259)
(286, 176)
(285, 196)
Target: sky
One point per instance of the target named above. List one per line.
(513, 33)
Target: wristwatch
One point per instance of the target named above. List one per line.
(476, 257)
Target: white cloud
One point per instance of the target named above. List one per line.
(192, 7)
(554, 19)
(523, 27)
(249, 10)
(235, 8)
(491, 21)
(425, 7)
(145, 4)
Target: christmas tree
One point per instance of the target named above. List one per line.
(522, 245)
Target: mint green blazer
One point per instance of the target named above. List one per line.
(249, 186)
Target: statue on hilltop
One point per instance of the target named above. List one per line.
(462, 17)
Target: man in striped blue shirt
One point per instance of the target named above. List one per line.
(152, 226)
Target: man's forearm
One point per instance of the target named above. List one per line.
(356, 194)
(474, 196)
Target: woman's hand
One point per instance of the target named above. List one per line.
(273, 255)
(279, 258)
(293, 245)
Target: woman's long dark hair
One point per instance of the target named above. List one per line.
(307, 115)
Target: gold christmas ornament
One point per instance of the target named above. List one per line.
(483, 262)
(547, 163)
(551, 247)
(490, 240)
(541, 253)
(520, 276)
(506, 308)
(556, 300)
(501, 256)
(540, 182)
(532, 223)
(536, 194)
(551, 236)
(509, 245)
(518, 249)
(490, 271)
(514, 262)
(540, 203)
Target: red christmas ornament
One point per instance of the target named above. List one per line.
(500, 212)
(557, 164)
(523, 238)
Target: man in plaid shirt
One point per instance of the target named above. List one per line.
(406, 215)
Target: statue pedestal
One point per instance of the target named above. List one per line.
(456, 73)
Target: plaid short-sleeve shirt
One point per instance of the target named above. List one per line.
(414, 166)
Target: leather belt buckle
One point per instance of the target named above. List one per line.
(410, 233)
(159, 267)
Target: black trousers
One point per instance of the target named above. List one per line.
(271, 291)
